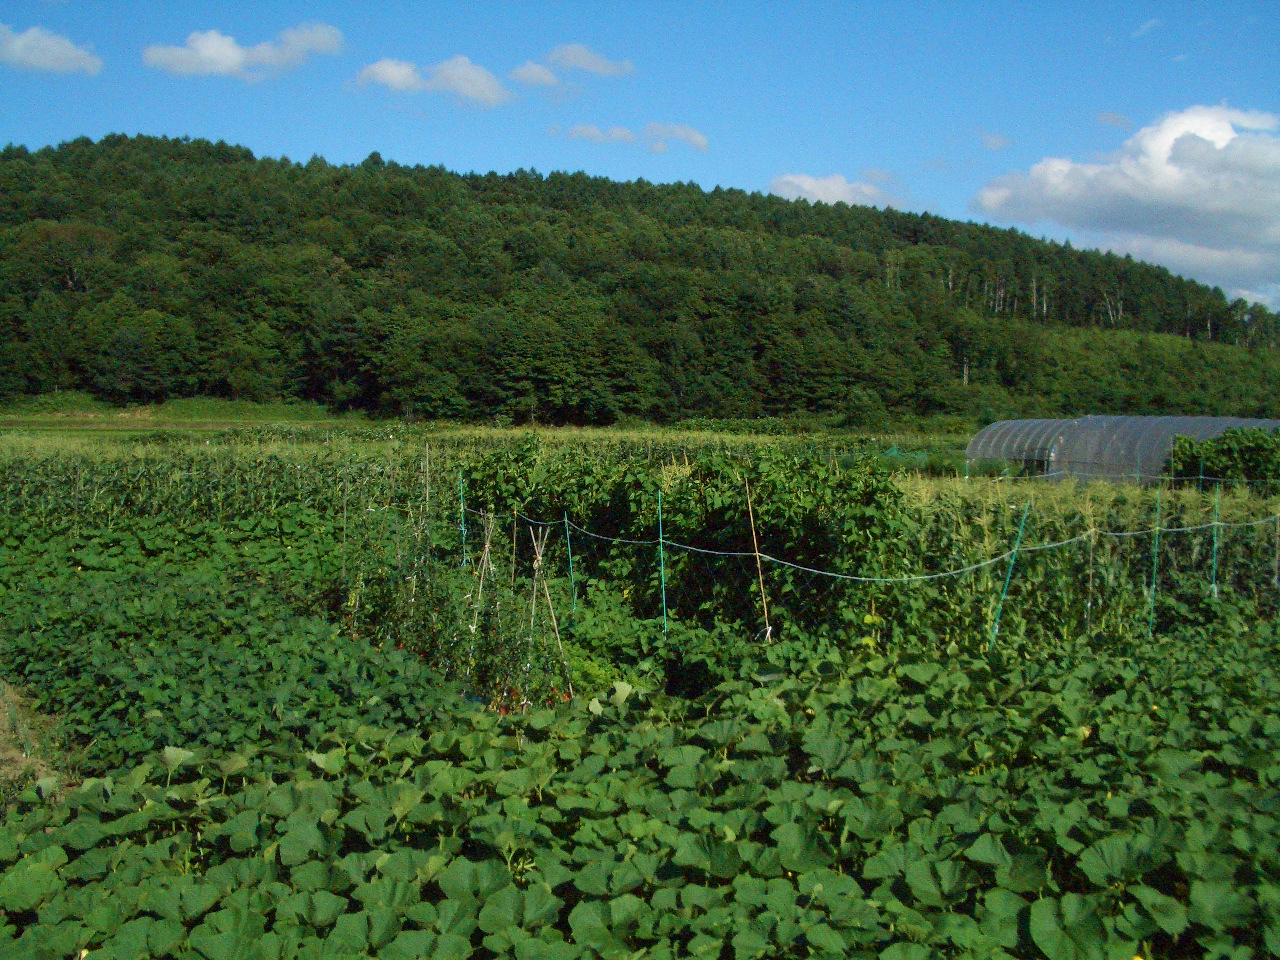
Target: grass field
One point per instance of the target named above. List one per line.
(78, 412)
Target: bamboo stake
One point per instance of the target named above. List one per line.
(1217, 496)
(1275, 568)
(346, 493)
(555, 627)
(462, 518)
(514, 513)
(568, 545)
(1008, 577)
(486, 564)
(662, 566)
(537, 569)
(426, 506)
(755, 546)
(1088, 607)
(539, 540)
(1155, 570)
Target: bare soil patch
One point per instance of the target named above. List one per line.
(30, 748)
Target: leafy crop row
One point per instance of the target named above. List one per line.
(1078, 802)
(1240, 455)
(389, 545)
(275, 668)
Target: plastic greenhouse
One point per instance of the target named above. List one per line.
(1103, 448)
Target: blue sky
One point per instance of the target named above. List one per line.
(1146, 127)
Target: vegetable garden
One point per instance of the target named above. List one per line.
(352, 697)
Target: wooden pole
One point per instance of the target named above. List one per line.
(755, 546)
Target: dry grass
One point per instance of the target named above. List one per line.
(1090, 500)
(31, 750)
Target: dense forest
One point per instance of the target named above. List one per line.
(146, 268)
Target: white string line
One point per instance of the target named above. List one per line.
(709, 552)
(598, 536)
(1249, 523)
(1092, 531)
(903, 579)
(984, 563)
(1061, 543)
(1146, 531)
(908, 578)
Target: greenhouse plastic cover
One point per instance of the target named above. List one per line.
(1099, 447)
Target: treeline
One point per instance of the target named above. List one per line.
(144, 268)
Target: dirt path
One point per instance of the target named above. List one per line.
(28, 747)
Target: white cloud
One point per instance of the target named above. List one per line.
(1117, 120)
(1269, 297)
(832, 189)
(39, 49)
(587, 131)
(399, 75)
(213, 53)
(467, 81)
(578, 56)
(1198, 190)
(457, 75)
(994, 142)
(1147, 27)
(534, 75)
(657, 135)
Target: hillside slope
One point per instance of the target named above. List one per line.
(144, 268)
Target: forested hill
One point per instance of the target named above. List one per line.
(143, 268)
